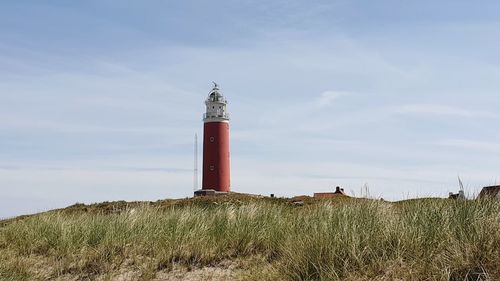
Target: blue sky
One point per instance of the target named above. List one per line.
(99, 100)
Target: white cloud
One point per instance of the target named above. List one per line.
(327, 98)
(435, 109)
(485, 146)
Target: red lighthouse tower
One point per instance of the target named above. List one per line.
(216, 164)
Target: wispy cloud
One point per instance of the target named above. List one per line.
(485, 146)
(31, 124)
(436, 109)
(327, 98)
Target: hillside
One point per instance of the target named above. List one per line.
(240, 237)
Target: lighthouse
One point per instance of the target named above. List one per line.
(216, 163)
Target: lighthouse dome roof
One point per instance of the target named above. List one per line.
(216, 106)
(215, 95)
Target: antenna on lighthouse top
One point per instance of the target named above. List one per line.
(195, 176)
(216, 86)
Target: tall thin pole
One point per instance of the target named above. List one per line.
(195, 176)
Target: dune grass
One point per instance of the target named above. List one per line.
(324, 240)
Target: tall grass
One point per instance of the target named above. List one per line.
(327, 240)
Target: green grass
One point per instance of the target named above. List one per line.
(270, 239)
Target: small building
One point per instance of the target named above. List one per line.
(459, 195)
(339, 192)
(490, 192)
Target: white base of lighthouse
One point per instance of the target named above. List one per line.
(209, 192)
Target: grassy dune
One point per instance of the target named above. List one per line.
(239, 238)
